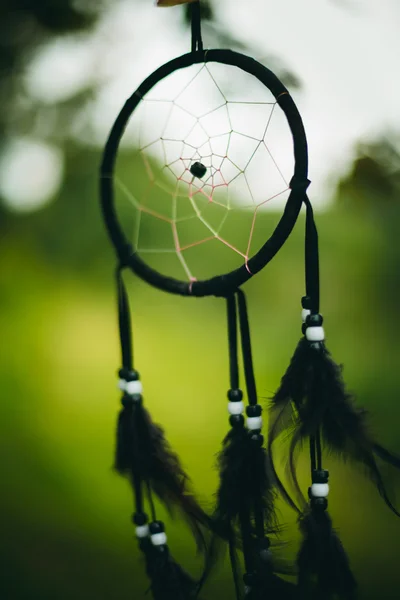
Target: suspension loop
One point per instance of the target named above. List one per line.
(197, 42)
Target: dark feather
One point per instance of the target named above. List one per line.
(168, 580)
(284, 415)
(142, 449)
(272, 587)
(244, 481)
(324, 569)
(313, 384)
(245, 502)
(264, 583)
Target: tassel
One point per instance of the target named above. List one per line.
(313, 393)
(142, 451)
(265, 584)
(245, 511)
(168, 581)
(324, 570)
(244, 482)
(312, 399)
(143, 448)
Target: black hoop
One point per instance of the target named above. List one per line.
(221, 285)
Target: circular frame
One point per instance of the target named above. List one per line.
(221, 285)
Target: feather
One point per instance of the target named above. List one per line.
(244, 481)
(168, 580)
(284, 415)
(324, 570)
(272, 588)
(143, 451)
(314, 387)
(245, 506)
(264, 583)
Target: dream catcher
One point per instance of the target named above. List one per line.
(219, 137)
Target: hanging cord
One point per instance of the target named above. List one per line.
(234, 385)
(311, 259)
(232, 341)
(197, 42)
(313, 299)
(124, 321)
(125, 336)
(246, 349)
(251, 389)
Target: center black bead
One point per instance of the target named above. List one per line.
(198, 170)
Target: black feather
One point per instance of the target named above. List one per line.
(272, 587)
(244, 481)
(312, 393)
(324, 569)
(168, 581)
(143, 451)
(245, 510)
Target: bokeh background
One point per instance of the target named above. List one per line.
(65, 69)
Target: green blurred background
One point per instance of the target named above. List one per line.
(65, 514)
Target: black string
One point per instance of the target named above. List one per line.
(244, 512)
(313, 292)
(232, 340)
(311, 258)
(318, 449)
(252, 398)
(235, 568)
(246, 349)
(197, 42)
(125, 335)
(124, 321)
(313, 462)
(151, 502)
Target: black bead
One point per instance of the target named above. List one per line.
(257, 438)
(317, 346)
(320, 476)
(314, 320)
(254, 411)
(235, 395)
(306, 302)
(265, 544)
(266, 555)
(129, 374)
(156, 527)
(162, 550)
(128, 400)
(236, 420)
(264, 550)
(303, 329)
(140, 519)
(198, 170)
(319, 503)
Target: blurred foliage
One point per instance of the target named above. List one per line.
(26, 25)
(65, 515)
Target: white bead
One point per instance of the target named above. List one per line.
(122, 385)
(315, 334)
(142, 531)
(159, 539)
(320, 490)
(254, 423)
(235, 408)
(133, 387)
(304, 314)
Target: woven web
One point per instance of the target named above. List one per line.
(195, 224)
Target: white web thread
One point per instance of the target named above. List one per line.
(218, 166)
